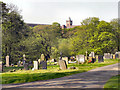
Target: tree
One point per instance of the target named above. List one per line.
(13, 30)
(115, 23)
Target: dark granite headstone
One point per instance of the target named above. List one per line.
(62, 64)
(26, 66)
(100, 58)
(43, 65)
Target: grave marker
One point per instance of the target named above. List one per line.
(43, 65)
(117, 55)
(107, 56)
(26, 66)
(35, 65)
(100, 58)
(62, 64)
(80, 59)
(7, 61)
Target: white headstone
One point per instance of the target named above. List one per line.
(80, 58)
(92, 54)
(35, 65)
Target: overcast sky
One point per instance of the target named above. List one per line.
(49, 11)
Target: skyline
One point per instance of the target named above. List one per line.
(47, 12)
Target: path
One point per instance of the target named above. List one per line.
(95, 78)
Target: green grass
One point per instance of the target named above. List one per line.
(6, 69)
(114, 82)
(22, 76)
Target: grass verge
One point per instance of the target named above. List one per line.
(22, 76)
(114, 82)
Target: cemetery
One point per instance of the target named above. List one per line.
(39, 52)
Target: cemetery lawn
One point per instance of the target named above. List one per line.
(114, 82)
(22, 76)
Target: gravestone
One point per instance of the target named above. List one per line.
(42, 57)
(111, 56)
(107, 56)
(62, 64)
(35, 65)
(117, 55)
(114, 56)
(100, 58)
(80, 59)
(26, 66)
(93, 54)
(7, 61)
(43, 65)
(66, 59)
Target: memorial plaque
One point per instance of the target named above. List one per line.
(62, 64)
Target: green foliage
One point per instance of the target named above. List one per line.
(13, 30)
